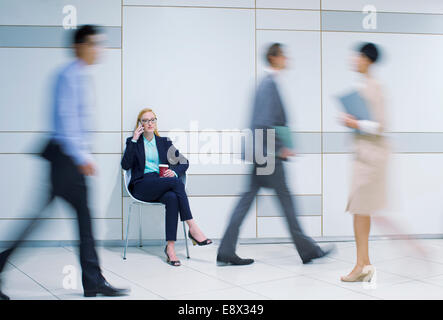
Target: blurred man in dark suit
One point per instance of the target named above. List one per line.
(269, 152)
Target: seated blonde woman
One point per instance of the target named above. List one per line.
(145, 151)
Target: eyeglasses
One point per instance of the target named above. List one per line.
(145, 121)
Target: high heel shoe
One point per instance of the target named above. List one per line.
(175, 263)
(200, 243)
(365, 276)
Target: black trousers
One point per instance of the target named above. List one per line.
(169, 191)
(69, 184)
(305, 246)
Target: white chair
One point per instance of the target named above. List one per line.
(134, 201)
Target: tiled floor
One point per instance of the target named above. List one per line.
(402, 273)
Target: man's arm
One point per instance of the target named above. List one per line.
(266, 114)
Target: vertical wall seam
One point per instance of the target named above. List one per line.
(121, 106)
(255, 87)
(321, 112)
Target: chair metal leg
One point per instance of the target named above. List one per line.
(141, 221)
(127, 232)
(186, 240)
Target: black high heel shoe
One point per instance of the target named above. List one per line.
(201, 243)
(175, 263)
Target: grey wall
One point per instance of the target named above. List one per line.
(199, 61)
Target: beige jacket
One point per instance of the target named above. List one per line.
(368, 185)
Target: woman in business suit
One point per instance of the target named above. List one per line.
(145, 151)
(368, 184)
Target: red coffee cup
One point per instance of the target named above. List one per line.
(163, 168)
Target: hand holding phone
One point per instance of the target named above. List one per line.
(138, 131)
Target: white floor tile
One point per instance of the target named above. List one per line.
(294, 265)
(436, 280)
(412, 290)
(19, 286)
(136, 292)
(402, 273)
(380, 280)
(266, 251)
(235, 293)
(47, 265)
(241, 275)
(411, 268)
(303, 288)
(431, 252)
(187, 282)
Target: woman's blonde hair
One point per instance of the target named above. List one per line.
(139, 119)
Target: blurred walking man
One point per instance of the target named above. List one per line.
(69, 154)
(268, 113)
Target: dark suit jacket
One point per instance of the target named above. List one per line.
(268, 111)
(134, 158)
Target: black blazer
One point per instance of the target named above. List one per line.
(134, 158)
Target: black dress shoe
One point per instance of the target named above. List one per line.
(175, 263)
(200, 243)
(106, 289)
(233, 260)
(323, 253)
(3, 296)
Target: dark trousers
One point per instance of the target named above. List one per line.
(305, 246)
(169, 191)
(69, 184)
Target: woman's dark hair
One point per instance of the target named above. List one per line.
(82, 33)
(370, 51)
(274, 50)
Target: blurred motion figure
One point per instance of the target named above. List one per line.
(268, 113)
(368, 184)
(69, 154)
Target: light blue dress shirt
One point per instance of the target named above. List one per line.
(151, 153)
(152, 160)
(72, 111)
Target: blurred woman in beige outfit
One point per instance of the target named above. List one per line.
(368, 186)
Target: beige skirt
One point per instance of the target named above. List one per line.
(368, 193)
